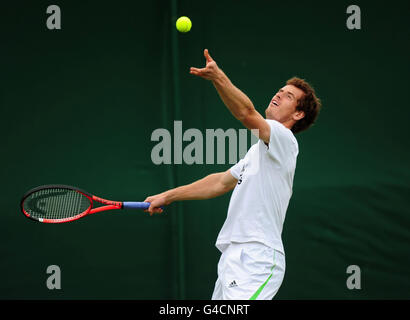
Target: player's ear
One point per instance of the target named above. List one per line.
(299, 114)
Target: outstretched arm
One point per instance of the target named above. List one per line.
(235, 100)
(209, 187)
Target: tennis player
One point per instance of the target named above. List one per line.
(252, 262)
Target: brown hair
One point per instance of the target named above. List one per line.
(309, 104)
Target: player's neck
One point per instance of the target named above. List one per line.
(289, 124)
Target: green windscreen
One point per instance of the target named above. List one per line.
(79, 106)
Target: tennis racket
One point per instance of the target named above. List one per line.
(61, 203)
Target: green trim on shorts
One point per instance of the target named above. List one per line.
(257, 293)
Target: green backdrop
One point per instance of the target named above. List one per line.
(79, 105)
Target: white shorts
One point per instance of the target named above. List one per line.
(249, 271)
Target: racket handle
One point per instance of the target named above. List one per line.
(135, 205)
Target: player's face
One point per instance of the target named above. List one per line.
(283, 104)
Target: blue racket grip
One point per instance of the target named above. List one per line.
(136, 205)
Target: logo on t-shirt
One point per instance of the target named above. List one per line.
(241, 174)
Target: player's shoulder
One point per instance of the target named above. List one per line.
(279, 131)
(277, 125)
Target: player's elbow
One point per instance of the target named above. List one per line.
(245, 113)
(224, 188)
(220, 189)
(223, 182)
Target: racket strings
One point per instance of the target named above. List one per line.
(55, 203)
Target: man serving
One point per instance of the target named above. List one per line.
(252, 263)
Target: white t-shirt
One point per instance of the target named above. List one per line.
(260, 199)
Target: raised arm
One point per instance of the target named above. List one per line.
(235, 100)
(209, 187)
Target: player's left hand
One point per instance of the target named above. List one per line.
(211, 70)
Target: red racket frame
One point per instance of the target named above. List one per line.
(109, 205)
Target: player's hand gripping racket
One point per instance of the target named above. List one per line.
(60, 203)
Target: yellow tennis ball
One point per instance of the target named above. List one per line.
(183, 24)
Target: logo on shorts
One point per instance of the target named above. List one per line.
(232, 284)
